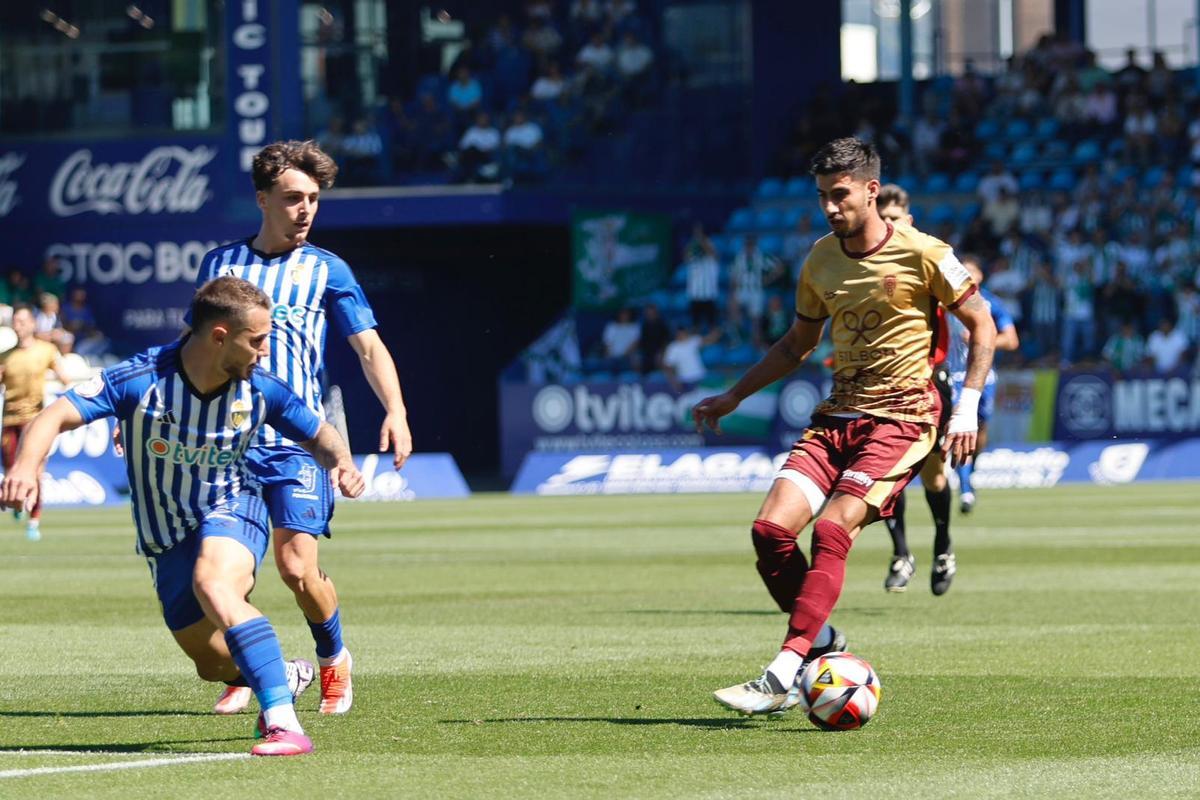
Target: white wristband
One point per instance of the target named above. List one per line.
(965, 417)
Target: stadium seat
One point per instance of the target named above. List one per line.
(1047, 128)
(769, 189)
(1152, 177)
(995, 151)
(937, 184)
(918, 212)
(603, 376)
(767, 219)
(712, 354)
(742, 220)
(1086, 152)
(1062, 180)
(1031, 181)
(966, 182)
(1057, 150)
(740, 355)
(818, 220)
(1115, 148)
(771, 245)
(792, 215)
(800, 186)
(987, 129)
(1016, 130)
(720, 242)
(968, 212)
(1023, 154)
(629, 376)
(942, 213)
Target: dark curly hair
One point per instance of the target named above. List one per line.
(851, 155)
(308, 157)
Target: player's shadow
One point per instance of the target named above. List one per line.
(707, 723)
(146, 713)
(706, 613)
(160, 746)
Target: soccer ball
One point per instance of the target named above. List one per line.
(839, 691)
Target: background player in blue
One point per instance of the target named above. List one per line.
(188, 412)
(956, 360)
(308, 287)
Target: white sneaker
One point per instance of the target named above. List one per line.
(758, 696)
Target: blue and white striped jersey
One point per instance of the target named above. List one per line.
(183, 450)
(307, 286)
(957, 349)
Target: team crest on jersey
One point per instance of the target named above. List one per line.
(889, 285)
(298, 270)
(239, 412)
(307, 476)
(91, 387)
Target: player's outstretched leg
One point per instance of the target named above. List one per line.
(903, 564)
(222, 579)
(296, 556)
(815, 600)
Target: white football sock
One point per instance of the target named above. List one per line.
(329, 662)
(282, 716)
(785, 666)
(824, 637)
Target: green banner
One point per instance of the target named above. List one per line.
(617, 255)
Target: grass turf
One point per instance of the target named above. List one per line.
(568, 647)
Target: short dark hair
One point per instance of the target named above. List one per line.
(892, 194)
(19, 307)
(308, 157)
(225, 299)
(851, 155)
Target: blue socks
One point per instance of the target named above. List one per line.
(328, 635)
(256, 651)
(964, 477)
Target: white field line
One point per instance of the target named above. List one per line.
(166, 761)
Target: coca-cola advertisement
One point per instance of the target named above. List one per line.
(166, 180)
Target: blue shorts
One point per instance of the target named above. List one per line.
(296, 488)
(987, 400)
(172, 569)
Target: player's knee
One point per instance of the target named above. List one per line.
(832, 539)
(769, 538)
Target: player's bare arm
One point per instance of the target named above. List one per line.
(963, 429)
(20, 485)
(380, 371)
(783, 357)
(1007, 339)
(331, 452)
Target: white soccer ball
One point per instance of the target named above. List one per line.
(839, 691)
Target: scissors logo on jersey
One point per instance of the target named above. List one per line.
(861, 326)
(889, 285)
(239, 412)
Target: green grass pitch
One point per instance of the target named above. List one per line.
(532, 647)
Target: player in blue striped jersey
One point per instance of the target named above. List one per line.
(309, 288)
(189, 412)
(956, 362)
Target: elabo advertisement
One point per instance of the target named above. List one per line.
(742, 469)
(1094, 405)
(556, 418)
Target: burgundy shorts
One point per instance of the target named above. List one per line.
(869, 457)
